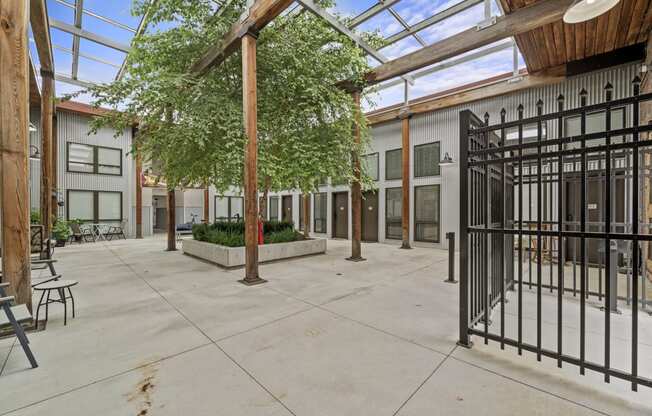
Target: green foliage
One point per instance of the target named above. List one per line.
(35, 217)
(231, 234)
(283, 236)
(193, 126)
(61, 230)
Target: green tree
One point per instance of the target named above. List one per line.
(193, 126)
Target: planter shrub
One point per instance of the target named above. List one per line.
(231, 234)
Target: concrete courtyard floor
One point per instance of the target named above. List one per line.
(161, 333)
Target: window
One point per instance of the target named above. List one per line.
(94, 206)
(426, 160)
(229, 208)
(426, 213)
(320, 212)
(596, 122)
(393, 213)
(273, 208)
(370, 165)
(85, 158)
(530, 133)
(393, 164)
(301, 220)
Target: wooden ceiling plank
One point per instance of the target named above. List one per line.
(569, 37)
(560, 41)
(523, 43)
(601, 34)
(520, 21)
(623, 22)
(646, 25)
(580, 40)
(590, 35)
(636, 21)
(612, 29)
(549, 35)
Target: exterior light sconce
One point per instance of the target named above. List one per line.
(34, 153)
(447, 160)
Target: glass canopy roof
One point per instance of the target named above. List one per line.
(90, 40)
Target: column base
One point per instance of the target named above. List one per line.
(356, 259)
(450, 281)
(461, 344)
(405, 246)
(252, 282)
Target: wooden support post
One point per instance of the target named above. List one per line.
(47, 111)
(356, 190)
(306, 215)
(54, 166)
(139, 193)
(14, 148)
(207, 205)
(405, 189)
(250, 110)
(172, 226)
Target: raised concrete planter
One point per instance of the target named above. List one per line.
(235, 256)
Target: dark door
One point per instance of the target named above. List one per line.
(341, 215)
(287, 208)
(370, 216)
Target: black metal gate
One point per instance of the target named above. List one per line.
(554, 203)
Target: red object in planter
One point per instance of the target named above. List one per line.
(261, 240)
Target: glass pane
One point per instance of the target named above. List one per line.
(426, 160)
(108, 156)
(80, 153)
(80, 205)
(320, 213)
(80, 167)
(394, 213)
(273, 208)
(393, 164)
(221, 208)
(109, 207)
(426, 201)
(370, 165)
(237, 208)
(108, 170)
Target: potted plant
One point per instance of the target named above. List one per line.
(61, 232)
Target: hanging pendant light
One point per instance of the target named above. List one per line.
(583, 10)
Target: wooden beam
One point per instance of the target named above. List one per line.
(520, 21)
(14, 149)
(55, 153)
(356, 189)
(47, 113)
(306, 215)
(259, 15)
(250, 112)
(492, 88)
(41, 31)
(139, 191)
(405, 178)
(172, 220)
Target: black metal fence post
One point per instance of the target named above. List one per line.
(451, 258)
(465, 339)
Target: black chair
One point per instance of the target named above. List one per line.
(16, 315)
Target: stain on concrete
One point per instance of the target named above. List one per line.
(142, 393)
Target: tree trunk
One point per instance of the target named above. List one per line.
(139, 195)
(356, 192)
(172, 227)
(306, 215)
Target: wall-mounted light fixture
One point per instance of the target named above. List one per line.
(32, 128)
(34, 153)
(583, 10)
(447, 160)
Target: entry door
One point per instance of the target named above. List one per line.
(370, 216)
(287, 208)
(341, 215)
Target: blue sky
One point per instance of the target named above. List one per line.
(412, 11)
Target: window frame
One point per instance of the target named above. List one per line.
(96, 207)
(612, 111)
(230, 217)
(438, 221)
(377, 154)
(269, 205)
(387, 178)
(438, 172)
(315, 217)
(96, 163)
(387, 222)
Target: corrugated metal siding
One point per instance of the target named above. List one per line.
(35, 165)
(75, 128)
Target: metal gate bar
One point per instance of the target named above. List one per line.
(489, 229)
